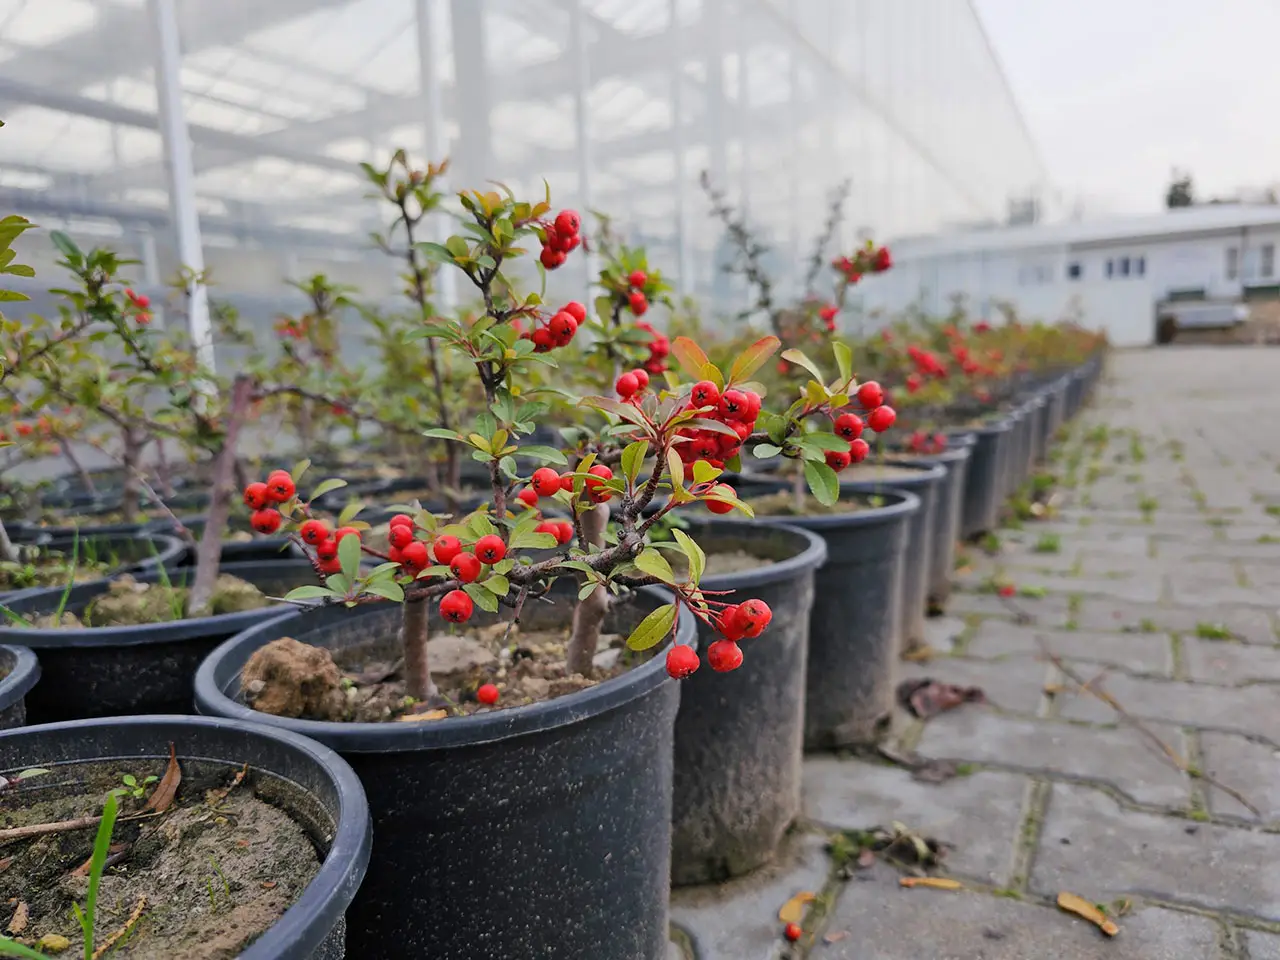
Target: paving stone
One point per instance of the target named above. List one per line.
(1261, 946)
(1195, 591)
(941, 633)
(887, 922)
(1222, 661)
(1249, 767)
(1016, 684)
(1132, 589)
(1136, 652)
(739, 919)
(1047, 610)
(1250, 625)
(1113, 852)
(980, 814)
(1121, 757)
(1250, 709)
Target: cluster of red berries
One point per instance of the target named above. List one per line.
(559, 330)
(292, 328)
(659, 349)
(927, 365)
(545, 482)
(259, 497)
(560, 239)
(631, 385)
(745, 620)
(871, 260)
(849, 426)
(41, 427)
(141, 303)
(736, 409)
(416, 555)
(636, 299)
(921, 442)
(828, 315)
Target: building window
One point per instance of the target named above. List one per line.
(1233, 263)
(1139, 266)
(1124, 266)
(1073, 271)
(1268, 259)
(1111, 269)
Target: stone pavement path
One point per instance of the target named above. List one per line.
(1157, 582)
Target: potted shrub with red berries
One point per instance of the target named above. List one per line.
(501, 680)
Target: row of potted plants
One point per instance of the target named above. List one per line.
(480, 699)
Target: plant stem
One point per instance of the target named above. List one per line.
(414, 634)
(77, 466)
(8, 552)
(209, 552)
(131, 459)
(588, 616)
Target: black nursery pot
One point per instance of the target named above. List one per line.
(947, 511)
(20, 670)
(139, 552)
(114, 671)
(739, 735)
(309, 782)
(854, 626)
(514, 834)
(927, 482)
(984, 491)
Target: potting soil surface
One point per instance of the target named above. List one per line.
(783, 504)
(204, 879)
(130, 603)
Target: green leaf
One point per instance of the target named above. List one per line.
(766, 450)
(690, 356)
(442, 434)
(19, 270)
(349, 513)
(822, 481)
(349, 556)
(311, 591)
(704, 472)
(653, 629)
(633, 459)
(436, 252)
(497, 584)
(675, 467)
(11, 948)
(844, 360)
(528, 540)
(33, 772)
(385, 588)
(826, 441)
(543, 454)
(327, 486)
(483, 598)
(12, 296)
(753, 358)
(299, 468)
(338, 584)
(626, 411)
(711, 372)
(697, 558)
(655, 564)
(714, 426)
(798, 357)
(458, 247)
(66, 246)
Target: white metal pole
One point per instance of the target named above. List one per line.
(581, 91)
(182, 191)
(433, 125)
(743, 110)
(683, 267)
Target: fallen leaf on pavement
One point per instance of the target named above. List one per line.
(936, 771)
(927, 697)
(19, 921)
(866, 859)
(1083, 908)
(934, 883)
(793, 910)
(835, 936)
(920, 655)
(167, 789)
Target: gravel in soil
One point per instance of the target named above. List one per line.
(130, 603)
(211, 874)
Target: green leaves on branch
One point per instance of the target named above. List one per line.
(823, 482)
(653, 629)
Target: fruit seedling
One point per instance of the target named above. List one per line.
(132, 787)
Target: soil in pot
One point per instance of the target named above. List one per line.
(42, 567)
(199, 881)
(130, 603)
(784, 503)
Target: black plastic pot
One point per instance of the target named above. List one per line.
(308, 781)
(984, 487)
(739, 735)
(513, 834)
(139, 552)
(257, 550)
(947, 512)
(1039, 430)
(927, 484)
(114, 671)
(21, 670)
(1056, 395)
(1013, 454)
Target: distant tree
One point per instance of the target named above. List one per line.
(1181, 193)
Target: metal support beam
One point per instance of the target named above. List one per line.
(579, 52)
(182, 189)
(472, 100)
(434, 135)
(683, 263)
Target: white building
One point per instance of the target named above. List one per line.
(1114, 271)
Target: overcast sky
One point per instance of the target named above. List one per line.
(1117, 92)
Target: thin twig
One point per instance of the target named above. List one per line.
(120, 934)
(62, 826)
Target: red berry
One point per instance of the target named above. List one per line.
(529, 496)
(849, 426)
(280, 487)
(416, 555)
(940, 441)
(401, 535)
(881, 418)
(858, 450)
(837, 460)
(456, 606)
(566, 481)
(446, 548)
(913, 383)
(576, 310)
(490, 549)
(546, 482)
(265, 521)
(314, 532)
(720, 506)
(792, 932)
(543, 340)
(643, 376)
(394, 555)
(256, 496)
(682, 661)
(568, 223)
(753, 616)
(466, 567)
(564, 532)
(733, 405)
(594, 486)
(551, 259)
(1007, 590)
(727, 623)
(562, 327)
(705, 394)
(724, 655)
(551, 527)
(637, 278)
(330, 566)
(345, 532)
(327, 549)
(401, 520)
(870, 394)
(487, 694)
(638, 302)
(628, 385)
(753, 405)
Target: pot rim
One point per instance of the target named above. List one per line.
(929, 473)
(906, 503)
(811, 557)
(24, 675)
